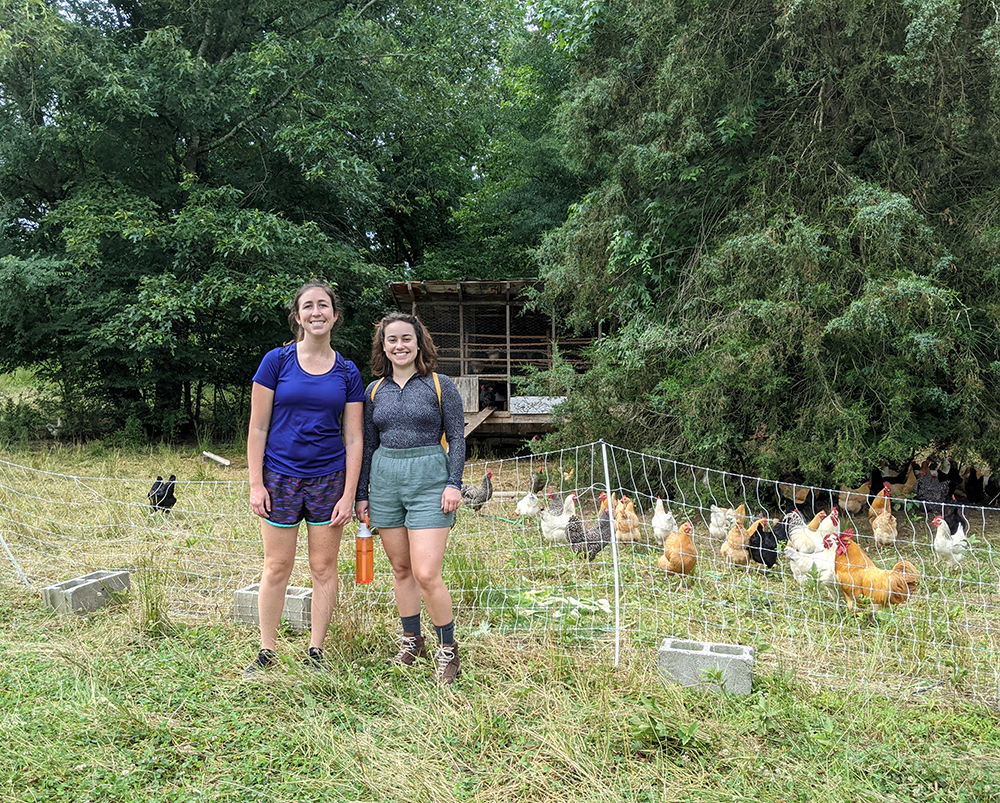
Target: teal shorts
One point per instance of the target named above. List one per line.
(405, 487)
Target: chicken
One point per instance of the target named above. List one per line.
(794, 493)
(804, 539)
(931, 488)
(591, 541)
(879, 503)
(853, 501)
(553, 503)
(884, 523)
(949, 544)
(528, 506)
(664, 523)
(906, 487)
(161, 495)
(975, 491)
(735, 547)
(858, 577)
(539, 482)
(762, 545)
(554, 525)
(816, 520)
(722, 520)
(803, 564)
(475, 496)
(679, 552)
(628, 525)
(791, 519)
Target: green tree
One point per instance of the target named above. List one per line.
(798, 201)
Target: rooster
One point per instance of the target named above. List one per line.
(475, 496)
(806, 540)
(853, 501)
(628, 525)
(664, 523)
(858, 577)
(679, 552)
(802, 564)
(949, 542)
(554, 525)
(528, 506)
(591, 541)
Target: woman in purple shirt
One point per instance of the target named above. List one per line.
(304, 454)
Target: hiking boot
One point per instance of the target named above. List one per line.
(411, 648)
(447, 667)
(315, 660)
(265, 660)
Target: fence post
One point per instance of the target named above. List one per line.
(614, 552)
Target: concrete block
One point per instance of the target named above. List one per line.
(297, 610)
(88, 593)
(685, 661)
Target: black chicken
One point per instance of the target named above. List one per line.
(475, 496)
(161, 495)
(975, 492)
(591, 541)
(539, 482)
(762, 545)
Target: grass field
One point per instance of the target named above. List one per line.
(142, 701)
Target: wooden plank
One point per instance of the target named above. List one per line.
(478, 419)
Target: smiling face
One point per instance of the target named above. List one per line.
(315, 312)
(400, 344)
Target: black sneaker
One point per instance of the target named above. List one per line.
(265, 660)
(315, 659)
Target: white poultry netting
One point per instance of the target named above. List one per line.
(505, 576)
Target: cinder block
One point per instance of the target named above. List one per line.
(685, 662)
(297, 610)
(88, 593)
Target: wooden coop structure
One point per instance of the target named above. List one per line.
(485, 337)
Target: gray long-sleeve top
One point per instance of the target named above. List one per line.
(409, 416)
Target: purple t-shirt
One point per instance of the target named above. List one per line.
(305, 435)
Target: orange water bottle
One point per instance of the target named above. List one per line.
(364, 568)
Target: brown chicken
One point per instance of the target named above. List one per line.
(628, 525)
(735, 547)
(853, 501)
(816, 520)
(858, 577)
(879, 503)
(679, 552)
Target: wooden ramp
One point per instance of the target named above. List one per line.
(478, 419)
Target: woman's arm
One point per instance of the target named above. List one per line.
(353, 440)
(261, 404)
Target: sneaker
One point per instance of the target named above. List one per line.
(315, 659)
(447, 667)
(265, 660)
(411, 648)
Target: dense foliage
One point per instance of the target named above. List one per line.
(170, 172)
(794, 237)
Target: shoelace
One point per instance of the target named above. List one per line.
(445, 655)
(409, 644)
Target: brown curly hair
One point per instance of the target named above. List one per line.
(427, 357)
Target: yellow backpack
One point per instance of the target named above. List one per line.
(437, 387)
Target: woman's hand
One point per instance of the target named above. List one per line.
(342, 512)
(260, 501)
(451, 499)
(361, 509)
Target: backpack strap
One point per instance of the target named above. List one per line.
(376, 387)
(437, 387)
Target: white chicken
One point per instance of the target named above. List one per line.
(528, 506)
(824, 561)
(723, 519)
(949, 547)
(805, 540)
(664, 523)
(554, 526)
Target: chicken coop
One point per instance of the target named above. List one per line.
(485, 338)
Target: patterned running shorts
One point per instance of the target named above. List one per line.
(294, 499)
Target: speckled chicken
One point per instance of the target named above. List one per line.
(475, 496)
(589, 541)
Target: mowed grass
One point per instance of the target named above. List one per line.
(143, 701)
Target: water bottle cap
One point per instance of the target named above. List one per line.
(363, 530)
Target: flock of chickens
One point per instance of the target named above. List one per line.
(816, 549)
